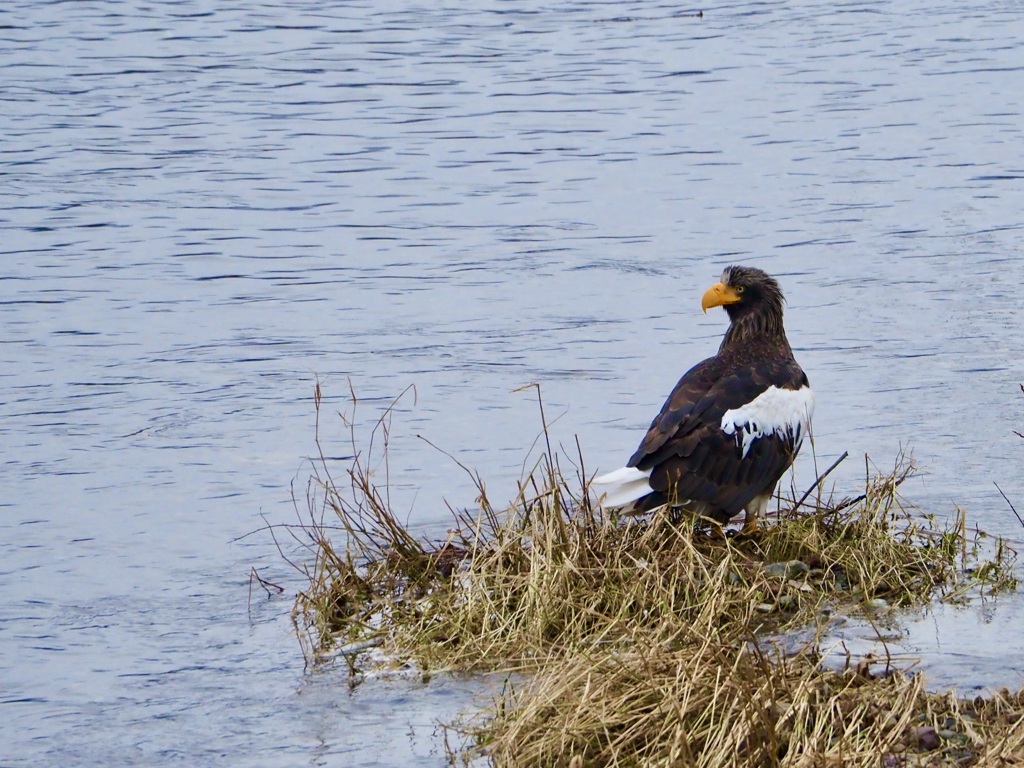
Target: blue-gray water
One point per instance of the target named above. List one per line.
(207, 206)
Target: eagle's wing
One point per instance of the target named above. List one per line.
(727, 433)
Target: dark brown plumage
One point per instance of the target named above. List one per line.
(733, 424)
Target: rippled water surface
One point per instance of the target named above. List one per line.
(207, 206)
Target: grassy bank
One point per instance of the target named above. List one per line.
(658, 640)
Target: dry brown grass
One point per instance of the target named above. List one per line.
(709, 700)
(647, 641)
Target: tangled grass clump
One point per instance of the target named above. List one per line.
(651, 641)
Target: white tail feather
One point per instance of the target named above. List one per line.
(619, 488)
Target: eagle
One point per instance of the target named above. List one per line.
(732, 425)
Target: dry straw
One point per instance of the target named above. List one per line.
(660, 641)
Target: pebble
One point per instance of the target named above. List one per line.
(923, 737)
(788, 570)
(801, 586)
(876, 604)
(765, 607)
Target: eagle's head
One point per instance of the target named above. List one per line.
(752, 299)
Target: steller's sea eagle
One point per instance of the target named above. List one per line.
(733, 424)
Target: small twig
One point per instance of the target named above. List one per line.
(1018, 434)
(267, 586)
(543, 420)
(475, 477)
(821, 479)
(1014, 509)
(254, 575)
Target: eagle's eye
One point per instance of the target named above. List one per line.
(740, 289)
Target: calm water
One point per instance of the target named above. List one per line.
(207, 206)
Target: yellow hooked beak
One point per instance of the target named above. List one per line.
(718, 295)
